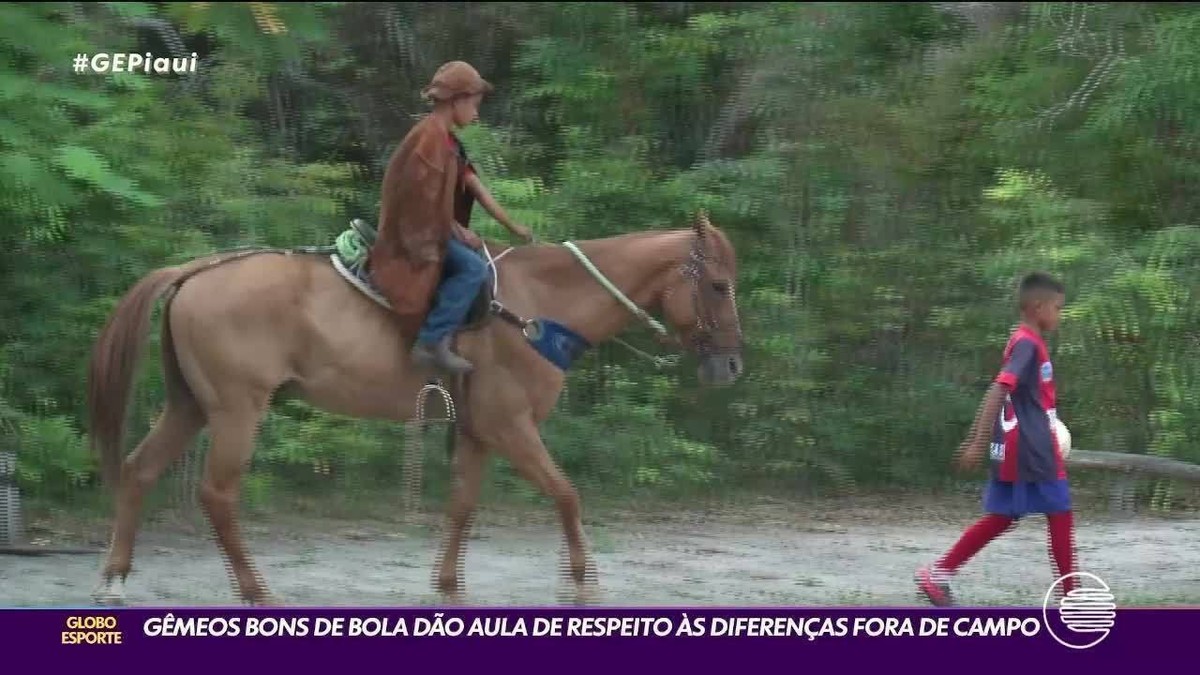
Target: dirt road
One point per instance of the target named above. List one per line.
(773, 554)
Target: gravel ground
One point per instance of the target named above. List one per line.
(848, 553)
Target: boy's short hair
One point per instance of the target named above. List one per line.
(1038, 284)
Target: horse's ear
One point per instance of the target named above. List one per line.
(701, 223)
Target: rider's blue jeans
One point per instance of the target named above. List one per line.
(463, 274)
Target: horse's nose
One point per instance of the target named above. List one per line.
(735, 365)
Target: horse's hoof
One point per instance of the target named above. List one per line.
(451, 590)
(263, 601)
(448, 585)
(454, 598)
(587, 594)
(108, 600)
(110, 593)
(580, 595)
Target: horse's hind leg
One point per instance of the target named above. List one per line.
(234, 432)
(172, 434)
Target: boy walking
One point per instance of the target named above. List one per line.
(1027, 473)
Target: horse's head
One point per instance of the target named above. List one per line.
(699, 303)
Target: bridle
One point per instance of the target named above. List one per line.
(696, 270)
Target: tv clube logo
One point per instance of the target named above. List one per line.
(1083, 617)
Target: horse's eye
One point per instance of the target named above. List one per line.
(721, 287)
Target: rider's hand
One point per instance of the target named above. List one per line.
(468, 237)
(524, 233)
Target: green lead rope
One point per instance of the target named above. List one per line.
(659, 361)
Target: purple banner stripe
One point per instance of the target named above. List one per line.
(568, 640)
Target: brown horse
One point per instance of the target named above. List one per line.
(238, 328)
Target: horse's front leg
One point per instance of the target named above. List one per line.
(469, 459)
(523, 446)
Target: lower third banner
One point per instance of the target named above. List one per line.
(586, 639)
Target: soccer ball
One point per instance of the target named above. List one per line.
(1064, 437)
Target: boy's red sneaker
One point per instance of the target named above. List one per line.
(934, 587)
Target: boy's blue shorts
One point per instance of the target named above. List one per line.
(1017, 500)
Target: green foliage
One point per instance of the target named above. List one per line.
(887, 172)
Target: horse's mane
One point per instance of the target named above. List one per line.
(725, 246)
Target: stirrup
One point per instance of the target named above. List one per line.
(414, 448)
(447, 401)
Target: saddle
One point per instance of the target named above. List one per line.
(350, 260)
(555, 342)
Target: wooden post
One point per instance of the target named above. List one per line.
(1150, 465)
(1121, 493)
(11, 532)
(1127, 469)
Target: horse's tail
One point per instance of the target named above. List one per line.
(118, 349)
(115, 357)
